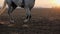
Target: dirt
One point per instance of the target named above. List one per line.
(43, 21)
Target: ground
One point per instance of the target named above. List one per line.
(43, 21)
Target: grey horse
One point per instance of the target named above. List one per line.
(26, 4)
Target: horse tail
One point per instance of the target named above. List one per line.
(3, 8)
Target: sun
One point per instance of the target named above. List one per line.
(56, 3)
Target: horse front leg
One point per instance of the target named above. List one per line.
(28, 15)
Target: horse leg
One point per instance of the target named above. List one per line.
(3, 8)
(28, 14)
(10, 10)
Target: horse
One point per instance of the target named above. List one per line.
(12, 4)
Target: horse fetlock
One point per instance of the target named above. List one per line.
(28, 17)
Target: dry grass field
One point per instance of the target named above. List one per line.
(43, 21)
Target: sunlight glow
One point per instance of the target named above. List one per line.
(56, 3)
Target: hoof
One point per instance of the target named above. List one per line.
(25, 25)
(26, 20)
(12, 21)
(11, 25)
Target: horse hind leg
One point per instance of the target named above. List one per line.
(3, 8)
(28, 14)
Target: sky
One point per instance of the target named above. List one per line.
(38, 3)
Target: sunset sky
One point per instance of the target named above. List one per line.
(42, 3)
